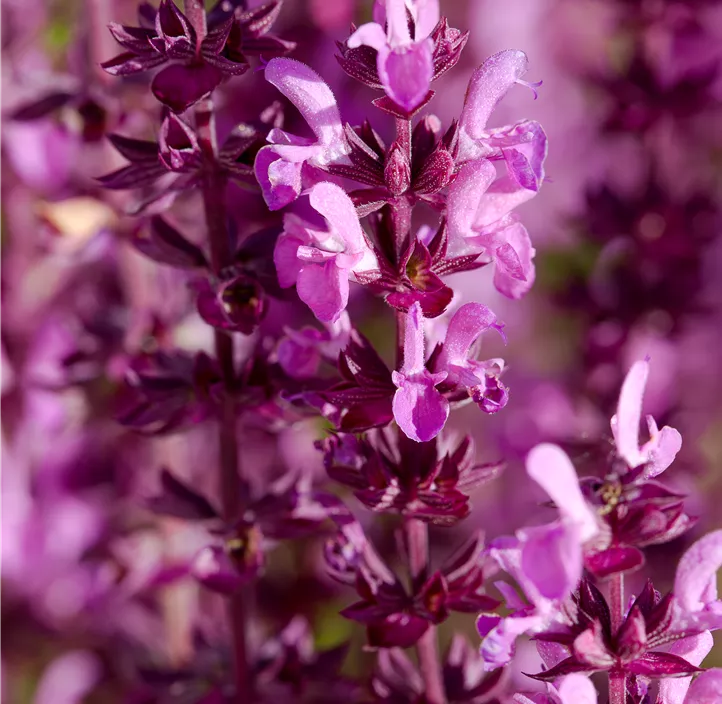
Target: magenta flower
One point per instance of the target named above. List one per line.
(198, 64)
(300, 352)
(546, 561)
(320, 262)
(420, 408)
(480, 219)
(279, 166)
(405, 64)
(662, 447)
(523, 145)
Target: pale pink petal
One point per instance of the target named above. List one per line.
(413, 341)
(488, 85)
(396, 23)
(661, 449)
(694, 650)
(427, 17)
(514, 269)
(577, 689)
(706, 689)
(311, 96)
(68, 678)
(406, 73)
(551, 559)
(625, 424)
(503, 196)
(370, 34)
(419, 409)
(465, 196)
(324, 289)
(280, 180)
(695, 584)
(470, 321)
(549, 466)
(337, 208)
(285, 257)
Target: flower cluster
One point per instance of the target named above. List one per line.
(235, 342)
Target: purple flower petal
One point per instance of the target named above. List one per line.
(419, 409)
(406, 72)
(280, 180)
(324, 289)
(625, 424)
(488, 85)
(706, 689)
(551, 559)
(695, 584)
(311, 96)
(215, 570)
(514, 271)
(577, 689)
(549, 466)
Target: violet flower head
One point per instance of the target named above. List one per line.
(405, 64)
(523, 145)
(198, 64)
(662, 447)
(279, 166)
(424, 390)
(467, 377)
(321, 261)
(546, 561)
(481, 219)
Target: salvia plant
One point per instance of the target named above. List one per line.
(293, 248)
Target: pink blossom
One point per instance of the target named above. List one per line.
(279, 166)
(662, 447)
(320, 262)
(405, 63)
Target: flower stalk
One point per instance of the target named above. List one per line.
(213, 189)
(417, 537)
(617, 678)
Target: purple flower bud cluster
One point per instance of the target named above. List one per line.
(251, 438)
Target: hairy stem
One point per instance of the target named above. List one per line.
(417, 536)
(401, 207)
(617, 678)
(214, 205)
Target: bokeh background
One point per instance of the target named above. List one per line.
(628, 233)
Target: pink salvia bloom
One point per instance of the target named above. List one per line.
(695, 585)
(320, 262)
(300, 352)
(480, 218)
(279, 166)
(662, 447)
(552, 555)
(480, 379)
(673, 690)
(522, 145)
(546, 561)
(405, 63)
(419, 408)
